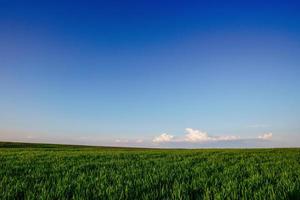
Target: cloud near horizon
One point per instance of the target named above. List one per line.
(129, 141)
(194, 136)
(266, 136)
(163, 138)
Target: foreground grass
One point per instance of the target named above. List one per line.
(74, 172)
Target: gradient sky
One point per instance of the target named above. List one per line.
(126, 72)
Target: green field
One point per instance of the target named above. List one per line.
(77, 172)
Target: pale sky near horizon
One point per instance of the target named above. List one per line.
(151, 73)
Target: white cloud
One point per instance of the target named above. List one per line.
(139, 141)
(29, 137)
(192, 136)
(258, 126)
(195, 135)
(199, 136)
(266, 136)
(163, 138)
(227, 138)
(121, 141)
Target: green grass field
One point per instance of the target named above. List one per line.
(29, 171)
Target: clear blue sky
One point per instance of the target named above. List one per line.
(124, 73)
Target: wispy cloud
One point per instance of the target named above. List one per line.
(129, 142)
(192, 136)
(139, 141)
(266, 136)
(163, 138)
(121, 141)
(197, 136)
(258, 126)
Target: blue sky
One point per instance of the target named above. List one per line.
(150, 73)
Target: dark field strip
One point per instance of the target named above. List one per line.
(38, 171)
